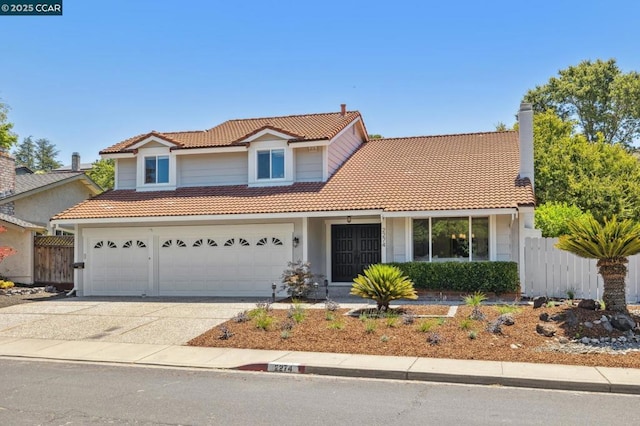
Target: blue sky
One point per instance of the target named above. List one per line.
(105, 71)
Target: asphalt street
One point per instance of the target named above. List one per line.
(64, 393)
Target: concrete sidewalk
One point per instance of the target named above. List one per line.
(565, 377)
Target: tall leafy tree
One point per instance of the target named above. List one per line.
(595, 176)
(103, 173)
(25, 153)
(611, 242)
(7, 137)
(45, 155)
(597, 96)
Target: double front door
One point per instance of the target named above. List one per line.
(353, 248)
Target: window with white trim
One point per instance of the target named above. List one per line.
(156, 169)
(451, 238)
(270, 164)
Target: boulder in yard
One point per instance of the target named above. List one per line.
(622, 322)
(589, 304)
(547, 330)
(539, 301)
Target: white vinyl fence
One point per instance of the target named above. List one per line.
(552, 272)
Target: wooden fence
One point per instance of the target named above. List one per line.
(53, 257)
(553, 272)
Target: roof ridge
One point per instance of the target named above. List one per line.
(446, 134)
(290, 116)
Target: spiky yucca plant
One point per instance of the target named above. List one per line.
(383, 283)
(611, 243)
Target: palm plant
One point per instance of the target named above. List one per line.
(611, 243)
(383, 283)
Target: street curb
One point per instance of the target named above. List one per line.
(485, 380)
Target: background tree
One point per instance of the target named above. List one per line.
(103, 173)
(597, 97)
(45, 156)
(25, 153)
(7, 137)
(376, 136)
(596, 177)
(553, 218)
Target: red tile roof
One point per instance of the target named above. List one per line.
(306, 127)
(451, 172)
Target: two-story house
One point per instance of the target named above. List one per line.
(221, 211)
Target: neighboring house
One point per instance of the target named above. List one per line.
(75, 166)
(27, 203)
(222, 211)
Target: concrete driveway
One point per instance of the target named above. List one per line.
(117, 319)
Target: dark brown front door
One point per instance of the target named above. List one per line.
(353, 248)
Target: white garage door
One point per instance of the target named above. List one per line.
(118, 266)
(223, 261)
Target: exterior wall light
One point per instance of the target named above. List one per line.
(296, 241)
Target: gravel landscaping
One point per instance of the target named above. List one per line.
(19, 295)
(557, 333)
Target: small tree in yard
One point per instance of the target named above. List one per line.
(611, 243)
(383, 283)
(298, 279)
(5, 251)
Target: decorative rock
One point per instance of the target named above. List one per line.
(563, 340)
(589, 304)
(588, 324)
(607, 326)
(585, 340)
(546, 330)
(604, 318)
(513, 346)
(506, 319)
(539, 301)
(622, 322)
(597, 322)
(544, 317)
(595, 341)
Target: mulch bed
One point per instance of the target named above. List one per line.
(518, 342)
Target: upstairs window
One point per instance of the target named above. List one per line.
(156, 169)
(271, 164)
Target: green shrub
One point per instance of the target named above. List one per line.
(426, 326)
(488, 277)
(507, 309)
(383, 283)
(336, 325)
(370, 326)
(466, 323)
(263, 321)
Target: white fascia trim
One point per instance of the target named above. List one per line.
(204, 218)
(118, 155)
(526, 209)
(271, 132)
(446, 213)
(211, 150)
(145, 141)
(306, 144)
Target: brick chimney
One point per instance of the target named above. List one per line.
(75, 162)
(343, 109)
(7, 181)
(525, 120)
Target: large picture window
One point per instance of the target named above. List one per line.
(451, 238)
(271, 164)
(156, 169)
